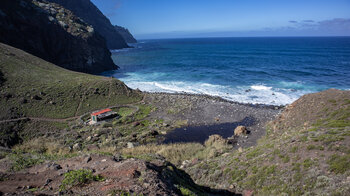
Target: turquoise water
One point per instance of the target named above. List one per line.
(273, 71)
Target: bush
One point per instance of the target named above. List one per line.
(339, 164)
(78, 177)
(22, 161)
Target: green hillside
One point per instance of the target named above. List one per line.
(306, 151)
(32, 87)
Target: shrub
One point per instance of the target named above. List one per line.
(78, 177)
(339, 164)
(21, 161)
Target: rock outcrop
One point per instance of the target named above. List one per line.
(125, 177)
(240, 130)
(55, 34)
(88, 12)
(126, 34)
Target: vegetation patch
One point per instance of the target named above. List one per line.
(78, 178)
(339, 164)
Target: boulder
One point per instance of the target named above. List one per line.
(240, 130)
(215, 139)
(130, 145)
(77, 146)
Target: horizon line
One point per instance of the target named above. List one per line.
(296, 36)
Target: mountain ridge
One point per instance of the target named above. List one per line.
(88, 12)
(55, 34)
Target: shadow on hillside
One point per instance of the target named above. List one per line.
(202, 132)
(2, 79)
(178, 179)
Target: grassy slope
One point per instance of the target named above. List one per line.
(61, 93)
(306, 150)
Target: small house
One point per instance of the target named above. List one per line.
(103, 115)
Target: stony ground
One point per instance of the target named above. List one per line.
(203, 116)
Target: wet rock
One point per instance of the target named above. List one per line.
(240, 130)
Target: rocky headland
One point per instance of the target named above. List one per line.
(55, 34)
(88, 12)
(125, 33)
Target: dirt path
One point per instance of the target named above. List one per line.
(74, 117)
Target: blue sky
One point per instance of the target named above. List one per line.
(222, 18)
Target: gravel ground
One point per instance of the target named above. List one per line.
(206, 115)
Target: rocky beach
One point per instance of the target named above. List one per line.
(185, 117)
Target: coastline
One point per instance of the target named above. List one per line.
(218, 98)
(193, 117)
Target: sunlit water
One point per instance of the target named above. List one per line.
(273, 71)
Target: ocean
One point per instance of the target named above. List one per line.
(270, 70)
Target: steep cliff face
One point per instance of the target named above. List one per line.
(55, 34)
(87, 11)
(126, 34)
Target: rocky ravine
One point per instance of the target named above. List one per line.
(87, 11)
(55, 34)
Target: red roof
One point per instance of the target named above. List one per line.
(101, 112)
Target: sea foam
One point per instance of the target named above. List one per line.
(255, 94)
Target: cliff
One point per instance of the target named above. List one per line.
(54, 34)
(126, 34)
(87, 11)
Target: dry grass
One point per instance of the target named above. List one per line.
(177, 153)
(41, 145)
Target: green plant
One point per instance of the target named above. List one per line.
(186, 191)
(294, 149)
(307, 163)
(78, 177)
(21, 161)
(339, 164)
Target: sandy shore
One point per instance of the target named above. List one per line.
(204, 115)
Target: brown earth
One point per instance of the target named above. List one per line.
(130, 176)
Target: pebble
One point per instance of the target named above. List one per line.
(130, 145)
(87, 159)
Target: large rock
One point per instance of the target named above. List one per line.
(55, 34)
(215, 139)
(240, 130)
(87, 11)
